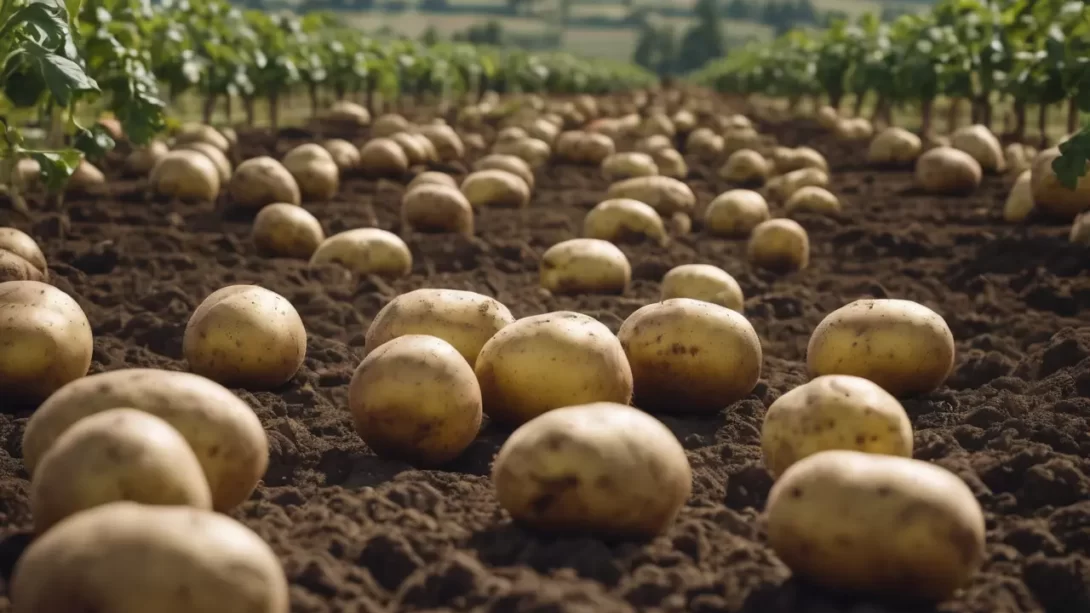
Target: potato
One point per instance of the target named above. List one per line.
(703, 282)
(603, 469)
(901, 345)
(86, 178)
(446, 141)
(27, 174)
(389, 124)
(737, 122)
(894, 147)
(261, 181)
(735, 213)
(624, 220)
(431, 153)
(790, 160)
(657, 123)
(828, 117)
(784, 186)
(366, 251)
(779, 245)
(543, 130)
(670, 163)
(684, 121)
(854, 129)
(876, 523)
(317, 175)
(221, 429)
(167, 559)
(690, 356)
(511, 134)
(1050, 196)
(579, 147)
(382, 157)
(231, 136)
(218, 158)
(1080, 230)
(200, 133)
(544, 362)
(142, 160)
(119, 454)
(533, 151)
(630, 164)
(833, 412)
(945, 170)
(737, 140)
(811, 199)
(666, 195)
(745, 167)
(435, 208)
(431, 178)
(415, 398)
(979, 142)
(1019, 158)
(21, 244)
(416, 150)
(15, 268)
(653, 143)
(496, 188)
(512, 164)
(585, 266)
(46, 340)
(245, 336)
(188, 175)
(680, 224)
(1019, 202)
(345, 155)
(348, 114)
(286, 231)
(704, 144)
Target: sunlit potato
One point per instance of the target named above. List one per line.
(623, 473)
(187, 175)
(901, 345)
(15, 268)
(434, 208)
(261, 181)
(653, 143)
(45, 340)
(979, 142)
(447, 142)
(779, 245)
(1019, 158)
(416, 150)
(21, 244)
(217, 157)
(735, 213)
(119, 454)
(245, 336)
(511, 134)
(737, 140)
(415, 398)
(684, 121)
(518, 373)
(833, 412)
(894, 147)
(317, 175)
(784, 186)
(1080, 231)
(200, 133)
(142, 160)
(543, 130)
(382, 157)
(664, 194)
(509, 163)
(366, 251)
(704, 144)
(533, 151)
(785, 160)
(579, 147)
(286, 231)
(87, 177)
(670, 163)
(623, 220)
(348, 114)
(431, 178)
(585, 266)
(167, 559)
(388, 125)
(948, 171)
(828, 117)
(811, 199)
(745, 167)
(1019, 203)
(221, 429)
(880, 524)
(345, 155)
(657, 123)
(1050, 196)
(496, 188)
(627, 165)
(703, 282)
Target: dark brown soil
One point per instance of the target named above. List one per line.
(359, 534)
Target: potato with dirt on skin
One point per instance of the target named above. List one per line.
(1019, 202)
(388, 125)
(779, 245)
(585, 266)
(704, 144)
(119, 454)
(533, 151)
(415, 398)
(703, 282)
(47, 340)
(245, 336)
(979, 142)
(620, 166)
(415, 149)
(496, 188)
(348, 113)
(784, 186)
(1019, 158)
(670, 163)
(653, 143)
(222, 430)
(948, 171)
(624, 220)
(142, 160)
(738, 140)
(167, 559)
(745, 167)
(200, 133)
(261, 181)
(579, 147)
(1080, 231)
(665, 194)
(447, 142)
(315, 172)
(1053, 198)
(517, 367)
(786, 159)
(187, 175)
(512, 164)
(624, 473)
(366, 251)
(286, 231)
(436, 208)
(894, 147)
(464, 319)
(431, 177)
(812, 199)
(15, 268)
(345, 155)
(20, 244)
(657, 123)
(85, 178)
(833, 412)
(735, 213)
(511, 134)
(901, 345)
(680, 224)
(217, 157)
(878, 524)
(828, 117)
(383, 157)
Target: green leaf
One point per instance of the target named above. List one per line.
(62, 76)
(56, 166)
(1074, 156)
(94, 142)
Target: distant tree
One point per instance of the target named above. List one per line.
(656, 49)
(667, 47)
(430, 36)
(704, 40)
(742, 10)
(805, 12)
(644, 55)
(488, 33)
(891, 13)
(828, 17)
(434, 6)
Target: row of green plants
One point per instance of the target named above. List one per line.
(1030, 53)
(132, 57)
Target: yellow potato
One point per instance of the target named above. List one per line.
(119, 454)
(199, 133)
(828, 117)
(657, 123)
(739, 139)
(1050, 196)
(431, 178)
(215, 155)
(345, 155)
(779, 245)
(388, 125)
(349, 114)
(415, 398)
(1019, 158)
(126, 557)
(653, 143)
(1019, 202)
(894, 147)
(585, 266)
(784, 186)
(366, 251)
(704, 144)
(261, 181)
(143, 159)
(286, 230)
(382, 157)
(496, 188)
(811, 199)
(789, 160)
(187, 175)
(834, 412)
(670, 163)
(86, 178)
(586, 147)
(315, 172)
(623, 220)
(436, 208)
(603, 469)
(684, 121)
(703, 282)
(534, 151)
(945, 170)
(447, 142)
(745, 167)
(15, 268)
(630, 164)
(416, 150)
(46, 340)
(1080, 231)
(245, 336)
(21, 244)
(874, 523)
(735, 213)
(511, 134)
(666, 195)
(545, 362)
(901, 345)
(514, 165)
(979, 142)
(221, 429)
(690, 356)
